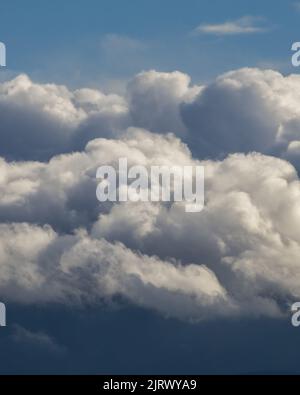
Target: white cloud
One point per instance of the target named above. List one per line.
(241, 111)
(155, 98)
(247, 233)
(244, 110)
(62, 192)
(237, 257)
(244, 25)
(78, 268)
(41, 120)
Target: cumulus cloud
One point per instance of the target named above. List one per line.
(41, 120)
(62, 192)
(242, 111)
(154, 100)
(78, 268)
(250, 220)
(238, 256)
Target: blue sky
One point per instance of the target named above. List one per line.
(69, 41)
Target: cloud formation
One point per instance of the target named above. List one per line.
(238, 256)
(235, 257)
(244, 25)
(41, 120)
(241, 111)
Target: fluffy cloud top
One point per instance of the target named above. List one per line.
(154, 100)
(41, 120)
(241, 111)
(245, 110)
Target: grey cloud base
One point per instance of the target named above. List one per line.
(238, 257)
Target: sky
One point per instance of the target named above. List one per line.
(147, 288)
(68, 42)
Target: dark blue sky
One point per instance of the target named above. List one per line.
(133, 341)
